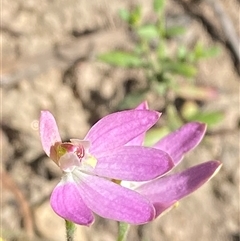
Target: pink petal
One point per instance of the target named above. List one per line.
(138, 141)
(133, 163)
(48, 131)
(177, 143)
(117, 129)
(164, 192)
(112, 201)
(142, 106)
(67, 202)
(68, 162)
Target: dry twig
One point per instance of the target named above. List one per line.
(9, 184)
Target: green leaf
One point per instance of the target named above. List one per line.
(158, 5)
(135, 16)
(121, 59)
(174, 31)
(173, 118)
(202, 52)
(132, 100)
(124, 14)
(210, 118)
(148, 32)
(179, 68)
(161, 87)
(182, 53)
(155, 134)
(189, 109)
(162, 50)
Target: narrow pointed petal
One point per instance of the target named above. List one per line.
(113, 201)
(67, 202)
(142, 106)
(117, 129)
(49, 133)
(177, 143)
(139, 140)
(133, 163)
(164, 192)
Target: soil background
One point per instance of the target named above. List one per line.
(49, 51)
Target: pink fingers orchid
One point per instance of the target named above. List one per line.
(91, 165)
(165, 191)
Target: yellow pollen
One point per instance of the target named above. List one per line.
(117, 181)
(176, 205)
(61, 151)
(91, 161)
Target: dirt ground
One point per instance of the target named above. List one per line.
(49, 51)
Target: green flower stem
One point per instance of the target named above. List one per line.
(122, 231)
(70, 229)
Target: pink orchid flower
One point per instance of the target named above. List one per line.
(91, 165)
(165, 191)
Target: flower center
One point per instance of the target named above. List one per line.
(64, 148)
(74, 154)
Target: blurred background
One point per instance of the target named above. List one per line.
(83, 60)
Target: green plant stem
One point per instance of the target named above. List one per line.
(70, 230)
(122, 231)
